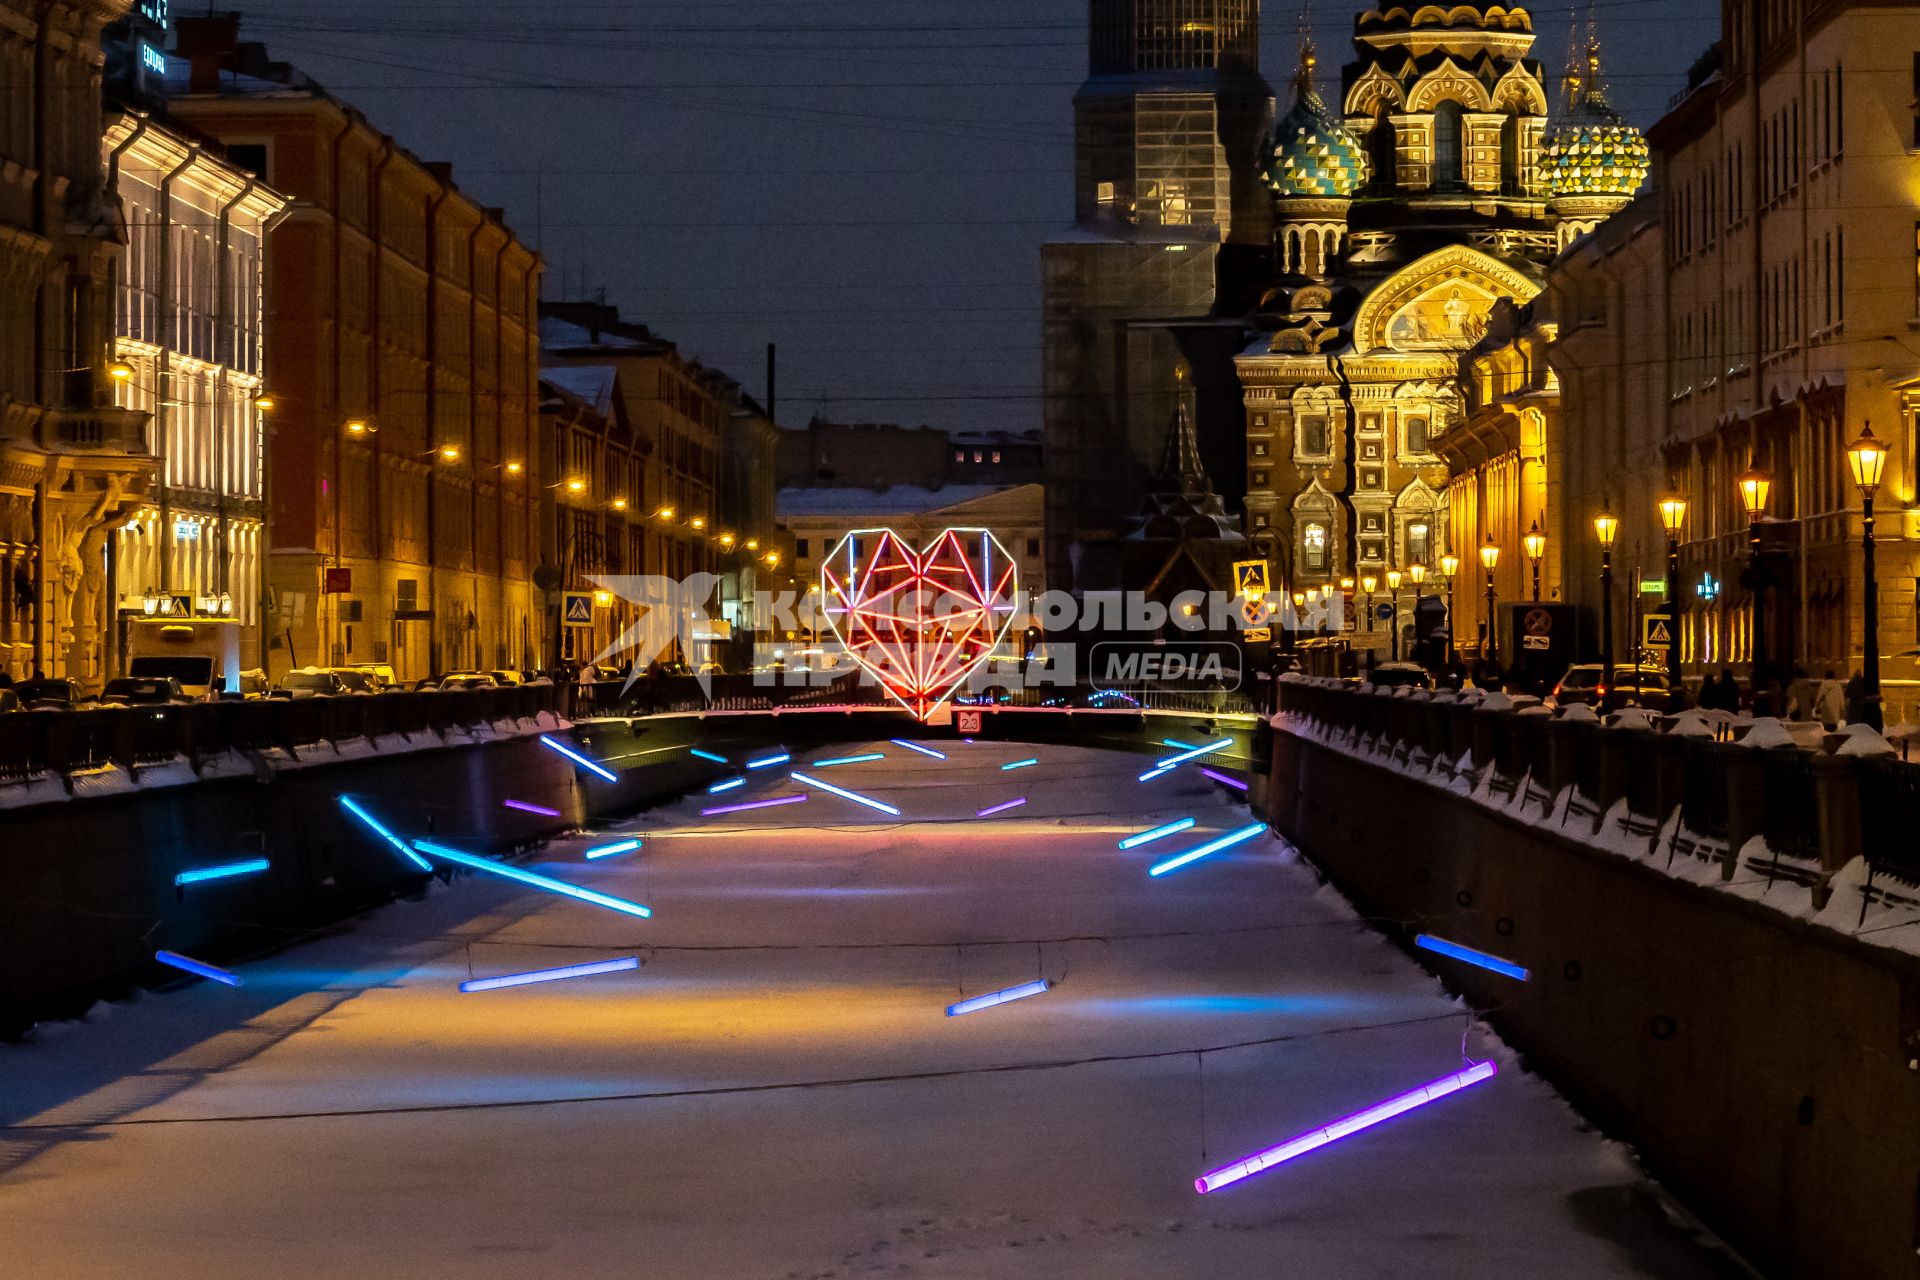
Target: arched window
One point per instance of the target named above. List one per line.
(1383, 155)
(1417, 441)
(1420, 541)
(1510, 180)
(1449, 167)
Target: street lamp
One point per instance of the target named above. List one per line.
(1490, 559)
(1367, 585)
(1673, 518)
(1867, 457)
(1755, 486)
(1536, 544)
(1394, 578)
(1449, 569)
(1606, 528)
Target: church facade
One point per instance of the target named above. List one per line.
(1439, 187)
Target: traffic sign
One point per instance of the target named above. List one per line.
(1251, 578)
(577, 608)
(1259, 635)
(1656, 631)
(969, 723)
(339, 582)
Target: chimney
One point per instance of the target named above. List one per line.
(208, 45)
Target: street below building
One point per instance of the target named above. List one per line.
(777, 1090)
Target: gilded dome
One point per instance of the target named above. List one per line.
(1311, 154)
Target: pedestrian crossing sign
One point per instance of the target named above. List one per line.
(1252, 578)
(578, 609)
(1657, 631)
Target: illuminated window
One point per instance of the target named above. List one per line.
(1313, 548)
(1419, 543)
(996, 455)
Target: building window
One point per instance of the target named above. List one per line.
(1419, 543)
(976, 457)
(1449, 169)
(1313, 438)
(959, 455)
(1417, 435)
(1033, 546)
(1103, 192)
(800, 548)
(996, 457)
(1313, 548)
(251, 156)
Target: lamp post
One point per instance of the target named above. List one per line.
(1299, 617)
(1449, 569)
(1368, 584)
(1867, 457)
(1606, 527)
(1417, 572)
(1755, 486)
(1394, 578)
(1536, 544)
(1490, 559)
(1673, 518)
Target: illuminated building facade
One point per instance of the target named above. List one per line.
(402, 331)
(1167, 209)
(1400, 220)
(73, 466)
(1792, 237)
(189, 338)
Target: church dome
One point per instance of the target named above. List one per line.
(1593, 151)
(1311, 154)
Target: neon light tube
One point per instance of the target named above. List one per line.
(925, 751)
(756, 804)
(706, 755)
(221, 873)
(609, 850)
(1193, 754)
(1020, 764)
(1001, 808)
(769, 762)
(537, 881)
(179, 961)
(845, 794)
(728, 785)
(993, 998)
(524, 807)
(1491, 963)
(552, 975)
(828, 764)
(1227, 841)
(589, 765)
(353, 808)
(1339, 1129)
(1219, 777)
(1158, 833)
(1161, 772)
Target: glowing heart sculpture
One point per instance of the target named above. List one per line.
(920, 621)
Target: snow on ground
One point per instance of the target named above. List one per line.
(350, 1113)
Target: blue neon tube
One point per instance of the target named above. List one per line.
(829, 764)
(1193, 754)
(203, 874)
(728, 785)
(1158, 833)
(1467, 955)
(552, 975)
(592, 766)
(537, 881)
(1227, 841)
(197, 967)
(769, 761)
(706, 755)
(845, 794)
(609, 850)
(993, 998)
(1264, 1160)
(1161, 772)
(1028, 763)
(925, 751)
(353, 808)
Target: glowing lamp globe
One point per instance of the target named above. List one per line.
(1867, 458)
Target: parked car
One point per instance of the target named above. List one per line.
(310, 682)
(9, 701)
(468, 680)
(1394, 674)
(51, 694)
(253, 686)
(508, 679)
(142, 691)
(381, 674)
(1632, 687)
(355, 680)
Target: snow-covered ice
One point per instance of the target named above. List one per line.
(777, 1093)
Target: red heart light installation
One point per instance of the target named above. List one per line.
(920, 621)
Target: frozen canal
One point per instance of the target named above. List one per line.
(777, 1092)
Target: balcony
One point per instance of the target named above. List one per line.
(102, 430)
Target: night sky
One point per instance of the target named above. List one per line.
(865, 182)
